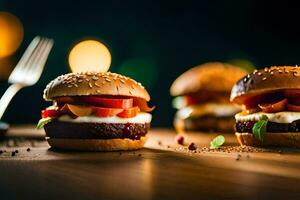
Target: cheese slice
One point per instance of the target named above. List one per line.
(219, 110)
(279, 117)
(139, 118)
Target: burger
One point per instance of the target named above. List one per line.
(271, 107)
(202, 98)
(96, 112)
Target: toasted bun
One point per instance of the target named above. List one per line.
(266, 80)
(93, 83)
(96, 145)
(215, 76)
(271, 139)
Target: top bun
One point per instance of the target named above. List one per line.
(214, 76)
(266, 80)
(94, 83)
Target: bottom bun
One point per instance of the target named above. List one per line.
(287, 139)
(96, 144)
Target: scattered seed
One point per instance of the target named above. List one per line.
(28, 149)
(13, 153)
(17, 151)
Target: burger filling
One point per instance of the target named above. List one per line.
(206, 111)
(97, 117)
(275, 112)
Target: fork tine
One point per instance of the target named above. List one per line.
(35, 55)
(36, 67)
(25, 56)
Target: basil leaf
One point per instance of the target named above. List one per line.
(260, 128)
(217, 142)
(43, 121)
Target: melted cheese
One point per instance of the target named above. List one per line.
(219, 110)
(140, 118)
(279, 117)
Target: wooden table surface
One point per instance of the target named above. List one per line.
(162, 170)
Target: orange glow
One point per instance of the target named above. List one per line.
(11, 34)
(89, 55)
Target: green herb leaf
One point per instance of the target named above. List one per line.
(43, 121)
(217, 142)
(260, 128)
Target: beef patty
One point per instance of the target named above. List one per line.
(208, 123)
(272, 127)
(70, 130)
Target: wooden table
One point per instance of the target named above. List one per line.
(162, 170)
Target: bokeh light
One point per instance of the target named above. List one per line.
(142, 70)
(89, 55)
(11, 34)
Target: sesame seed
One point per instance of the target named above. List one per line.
(95, 78)
(245, 79)
(97, 84)
(69, 86)
(75, 85)
(80, 80)
(132, 86)
(98, 91)
(280, 71)
(259, 73)
(122, 81)
(272, 73)
(264, 78)
(90, 84)
(108, 80)
(87, 79)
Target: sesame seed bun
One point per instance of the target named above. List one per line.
(266, 80)
(287, 139)
(94, 83)
(214, 76)
(96, 145)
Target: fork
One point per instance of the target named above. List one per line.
(28, 70)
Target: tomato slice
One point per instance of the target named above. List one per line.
(274, 107)
(128, 113)
(292, 107)
(109, 102)
(50, 113)
(292, 93)
(106, 112)
(142, 104)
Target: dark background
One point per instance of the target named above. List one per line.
(155, 41)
